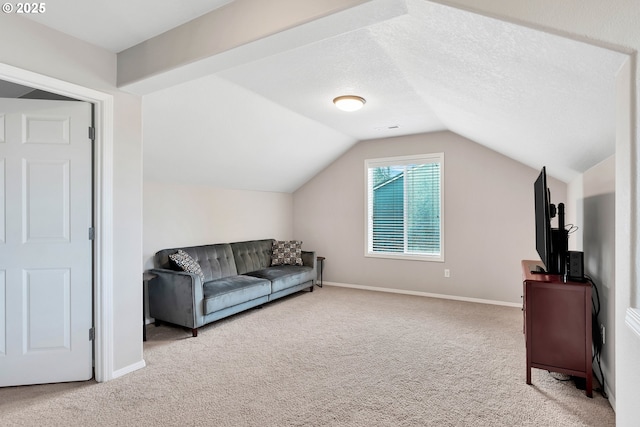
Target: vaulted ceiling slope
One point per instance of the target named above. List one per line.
(264, 120)
(119, 24)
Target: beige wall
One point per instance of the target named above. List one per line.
(183, 215)
(31, 47)
(488, 220)
(610, 23)
(592, 199)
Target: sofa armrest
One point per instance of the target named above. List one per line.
(176, 297)
(310, 259)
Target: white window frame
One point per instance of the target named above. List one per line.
(368, 204)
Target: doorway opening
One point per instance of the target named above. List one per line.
(102, 204)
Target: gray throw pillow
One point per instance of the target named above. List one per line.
(186, 263)
(286, 253)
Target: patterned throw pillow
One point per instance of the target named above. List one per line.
(286, 252)
(186, 263)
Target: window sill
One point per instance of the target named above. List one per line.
(405, 257)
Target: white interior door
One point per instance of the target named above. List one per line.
(45, 249)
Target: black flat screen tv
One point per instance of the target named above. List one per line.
(543, 219)
(551, 243)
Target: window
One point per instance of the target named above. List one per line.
(404, 207)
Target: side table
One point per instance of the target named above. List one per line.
(321, 262)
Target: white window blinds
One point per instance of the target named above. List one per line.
(404, 207)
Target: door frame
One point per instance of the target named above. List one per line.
(102, 206)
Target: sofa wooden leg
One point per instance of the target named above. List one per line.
(157, 322)
(194, 332)
(311, 288)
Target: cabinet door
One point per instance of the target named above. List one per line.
(558, 325)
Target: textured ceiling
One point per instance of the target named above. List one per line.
(212, 132)
(120, 24)
(537, 97)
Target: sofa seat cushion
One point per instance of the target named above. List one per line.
(229, 291)
(284, 276)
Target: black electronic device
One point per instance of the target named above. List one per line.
(551, 243)
(575, 266)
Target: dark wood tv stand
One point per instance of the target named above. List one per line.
(557, 324)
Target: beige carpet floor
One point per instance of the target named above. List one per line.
(334, 357)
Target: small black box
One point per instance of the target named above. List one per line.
(575, 265)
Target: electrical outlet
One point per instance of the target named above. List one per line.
(447, 272)
(602, 330)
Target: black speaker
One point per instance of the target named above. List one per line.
(575, 265)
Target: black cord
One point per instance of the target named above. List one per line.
(571, 228)
(597, 353)
(593, 285)
(595, 374)
(553, 375)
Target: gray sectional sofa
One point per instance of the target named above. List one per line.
(237, 276)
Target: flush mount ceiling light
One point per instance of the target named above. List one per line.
(349, 102)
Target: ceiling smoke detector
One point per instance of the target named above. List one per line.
(349, 102)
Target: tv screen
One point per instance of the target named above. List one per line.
(543, 219)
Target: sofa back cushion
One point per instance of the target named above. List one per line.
(216, 261)
(252, 255)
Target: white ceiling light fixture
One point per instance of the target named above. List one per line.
(349, 102)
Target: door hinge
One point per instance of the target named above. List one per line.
(92, 133)
(92, 334)
(92, 233)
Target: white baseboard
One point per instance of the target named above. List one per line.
(128, 369)
(424, 294)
